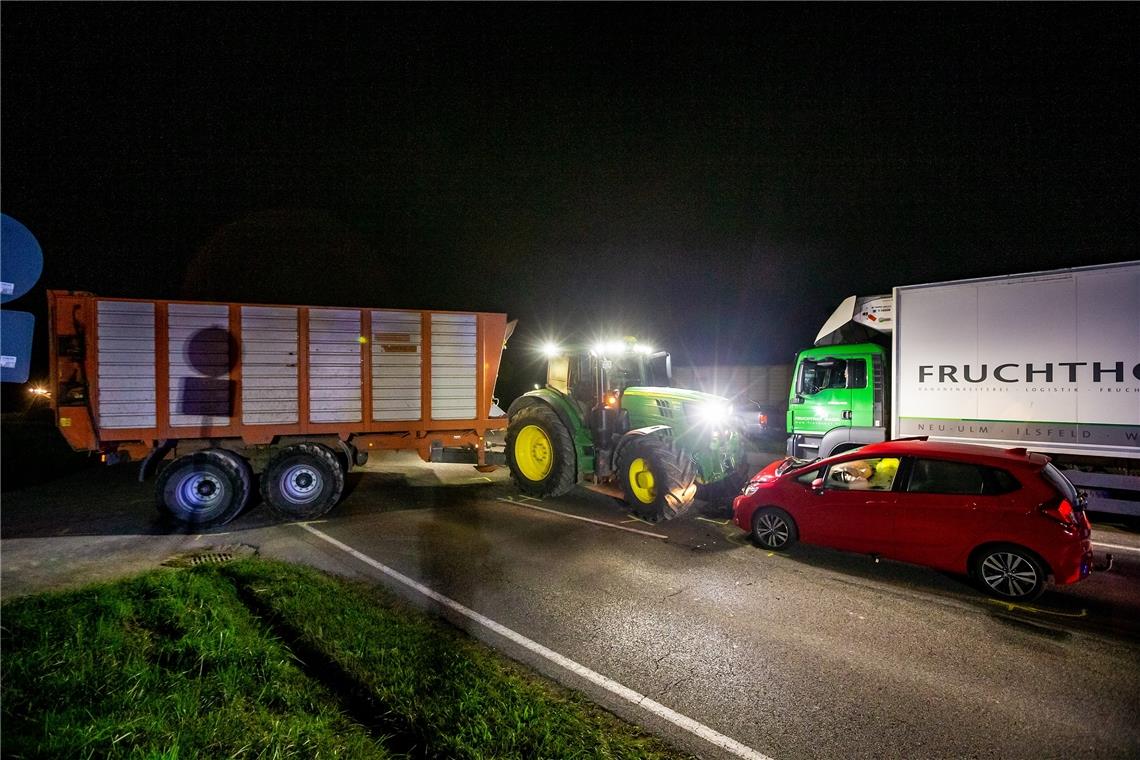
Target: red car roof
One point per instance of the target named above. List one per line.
(959, 451)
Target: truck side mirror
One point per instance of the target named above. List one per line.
(797, 399)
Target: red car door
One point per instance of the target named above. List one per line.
(855, 510)
(942, 508)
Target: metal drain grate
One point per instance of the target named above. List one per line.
(210, 559)
(211, 555)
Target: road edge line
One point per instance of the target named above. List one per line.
(714, 737)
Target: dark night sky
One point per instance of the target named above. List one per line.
(716, 178)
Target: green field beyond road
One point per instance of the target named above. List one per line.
(263, 659)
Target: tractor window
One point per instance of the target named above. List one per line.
(625, 372)
(659, 370)
(820, 374)
(558, 373)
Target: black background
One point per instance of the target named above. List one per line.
(712, 178)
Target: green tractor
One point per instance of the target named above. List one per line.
(608, 418)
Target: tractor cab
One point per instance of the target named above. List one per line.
(594, 380)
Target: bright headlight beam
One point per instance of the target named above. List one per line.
(714, 413)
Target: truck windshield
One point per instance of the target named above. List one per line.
(820, 374)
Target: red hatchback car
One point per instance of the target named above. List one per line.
(1006, 517)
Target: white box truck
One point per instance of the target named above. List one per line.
(1049, 361)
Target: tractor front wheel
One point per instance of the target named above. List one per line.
(540, 452)
(658, 480)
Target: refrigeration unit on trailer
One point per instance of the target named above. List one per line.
(296, 393)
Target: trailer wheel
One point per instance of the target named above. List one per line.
(540, 452)
(202, 489)
(657, 478)
(302, 481)
(244, 471)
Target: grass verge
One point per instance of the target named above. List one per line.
(263, 659)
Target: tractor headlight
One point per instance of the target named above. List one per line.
(715, 413)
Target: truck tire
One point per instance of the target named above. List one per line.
(202, 489)
(540, 452)
(302, 481)
(657, 478)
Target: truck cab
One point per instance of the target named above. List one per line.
(837, 400)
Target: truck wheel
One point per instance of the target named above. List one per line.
(657, 479)
(302, 481)
(202, 489)
(540, 452)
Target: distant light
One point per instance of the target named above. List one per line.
(363, 339)
(38, 391)
(551, 349)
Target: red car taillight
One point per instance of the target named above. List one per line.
(1060, 511)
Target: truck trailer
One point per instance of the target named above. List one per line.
(1049, 361)
(298, 394)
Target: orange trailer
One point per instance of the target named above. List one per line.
(296, 393)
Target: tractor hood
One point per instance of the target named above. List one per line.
(676, 407)
(679, 395)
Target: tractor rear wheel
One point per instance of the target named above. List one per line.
(657, 478)
(540, 452)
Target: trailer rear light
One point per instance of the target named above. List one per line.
(762, 419)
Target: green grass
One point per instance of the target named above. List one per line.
(261, 659)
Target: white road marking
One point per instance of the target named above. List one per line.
(585, 519)
(1099, 545)
(638, 699)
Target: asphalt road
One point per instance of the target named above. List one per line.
(813, 653)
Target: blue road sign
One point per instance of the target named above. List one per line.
(21, 260)
(15, 345)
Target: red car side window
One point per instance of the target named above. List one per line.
(873, 474)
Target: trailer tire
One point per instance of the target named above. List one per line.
(244, 471)
(202, 489)
(657, 478)
(302, 481)
(540, 452)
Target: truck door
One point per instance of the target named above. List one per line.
(822, 383)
